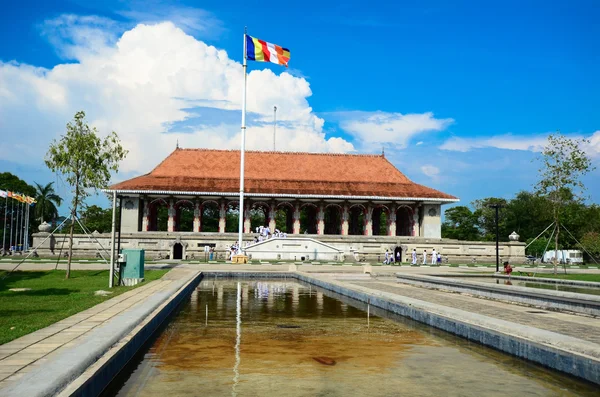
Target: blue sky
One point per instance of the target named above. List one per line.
(461, 94)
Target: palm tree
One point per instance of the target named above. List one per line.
(47, 200)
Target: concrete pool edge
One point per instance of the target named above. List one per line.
(550, 300)
(98, 376)
(556, 351)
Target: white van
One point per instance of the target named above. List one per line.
(564, 256)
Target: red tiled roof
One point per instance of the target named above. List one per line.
(204, 170)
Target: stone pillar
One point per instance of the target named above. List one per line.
(271, 216)
(345, 217)
(146, 216)
(222, 216)
(321, 219)
(415, 224)
(391, 227)
(171, 223)
(197, 216)
(246, 215)
(297, 218)
(369, 220)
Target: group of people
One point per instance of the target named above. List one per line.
(436, 257)
(264, 233)
(389, 257)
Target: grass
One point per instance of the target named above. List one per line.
(51, 298)
(579, 277)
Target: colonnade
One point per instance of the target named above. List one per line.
(293, 217)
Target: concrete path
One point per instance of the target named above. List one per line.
(41, 351)
(577, 326)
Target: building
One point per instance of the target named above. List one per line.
(316, 193)
(360, 205)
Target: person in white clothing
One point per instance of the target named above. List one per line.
(414, 256)
(424, 256)
(433, 257)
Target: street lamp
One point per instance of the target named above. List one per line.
(496, 207)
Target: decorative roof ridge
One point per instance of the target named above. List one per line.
(281, 152)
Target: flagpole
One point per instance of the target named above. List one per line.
(12, 213)
(26, 245)
(17, 229)
(4, 224)
(242, 150)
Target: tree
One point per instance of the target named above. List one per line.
(486, 218)
(47, 200)
(460, 224)
(591, 243)
(86, 160)
(564, 162)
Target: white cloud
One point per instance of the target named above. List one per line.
(143, 84)
(530, 143)
(395, 128)
(533, 143)
(430, 171)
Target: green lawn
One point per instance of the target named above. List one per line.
(580, 277)
(51, 298)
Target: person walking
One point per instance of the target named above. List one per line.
(424, 257)
(414, 256)
(433, 257)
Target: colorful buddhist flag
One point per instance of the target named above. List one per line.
(3, 194)
(261, 51)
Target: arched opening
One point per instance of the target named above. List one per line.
(284, 218)
(356, 221)
(404, 221)
(177, 251)
(380, 221)
(184, 216)
(259, 216)
(308, 219)
(333, 219)
(159, 215)
(209, 221)
(398, 254)
(232, 217)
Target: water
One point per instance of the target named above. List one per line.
(287, 339)
(528, 284)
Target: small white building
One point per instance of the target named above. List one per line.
(564, 256)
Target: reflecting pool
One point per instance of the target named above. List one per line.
(283, 338)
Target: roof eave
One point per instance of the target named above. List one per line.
(282, 195)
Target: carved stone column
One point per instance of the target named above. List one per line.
(197, 216)
(321, 219)
(171, 223)
(415, 223)
(271, 216)
(246, 217)
(369, 220)
(296, 218)
(222, 216)
(391, 229)
(345, 217)
(146, 216)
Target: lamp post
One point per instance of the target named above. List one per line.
(496, 207)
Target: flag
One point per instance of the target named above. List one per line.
(261, 51)
(3, 194)
(10, 194)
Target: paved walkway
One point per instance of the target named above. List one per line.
(22, 355)
(577, 326)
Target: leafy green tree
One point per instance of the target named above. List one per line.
(86, 160)
(47, 201)
(486, 218)
(591, 243)
(460, 224)
(563, 163)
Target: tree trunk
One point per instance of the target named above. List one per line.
(556, 246)
(70, 244)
